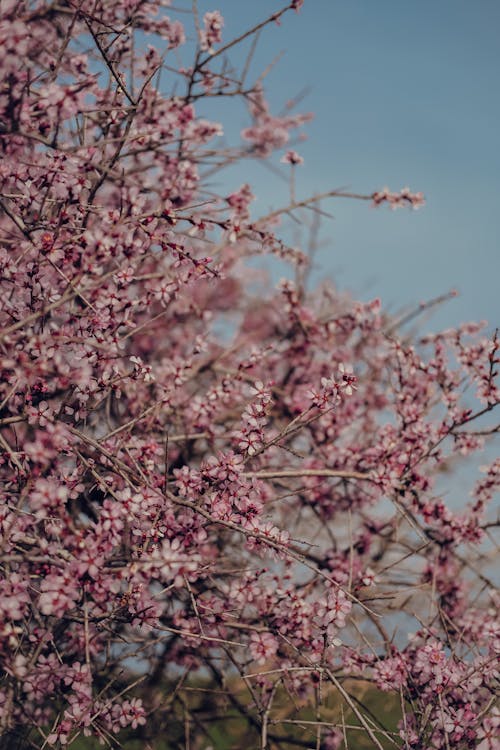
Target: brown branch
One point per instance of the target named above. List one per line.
(309, 201)
(297, 473)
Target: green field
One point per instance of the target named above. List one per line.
(208, 719)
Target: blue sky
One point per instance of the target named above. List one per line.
(403, 94)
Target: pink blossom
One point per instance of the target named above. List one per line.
(391, 673)
(61, 734)
(240, 200)
(14, 597)
(338, 607)
(347, 379)
(292, 157)
(41, 414)
(175, 34)
(212, 31)
(396, 200)
(193, 489)
(263, 646)
(59, 594)
(488, 732)
(172, 563)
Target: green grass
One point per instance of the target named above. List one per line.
(218, 725)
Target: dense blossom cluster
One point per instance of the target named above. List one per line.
(204, 485)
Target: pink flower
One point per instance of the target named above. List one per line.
(488, 733)
(240, 200)
(212, 32)
(292, 157)
(397, 200)
(249, 442)
(391, 673)
(431, 663)
(172, 563)
(347, 379)
(333, 738)
(61, 733)
(129, 713)
(263, 646)
(338, 607)
(175, 34)
(14, 597)
(41, 414)
(48, 497)
(59, 594)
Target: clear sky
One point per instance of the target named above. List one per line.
(403, 93)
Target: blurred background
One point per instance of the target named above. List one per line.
(403, 94)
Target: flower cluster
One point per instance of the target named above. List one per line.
(397, 200)
(251, 435)
(212, 30)
(269, 132)
(200, 499)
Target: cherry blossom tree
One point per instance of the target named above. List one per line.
(221, 506)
